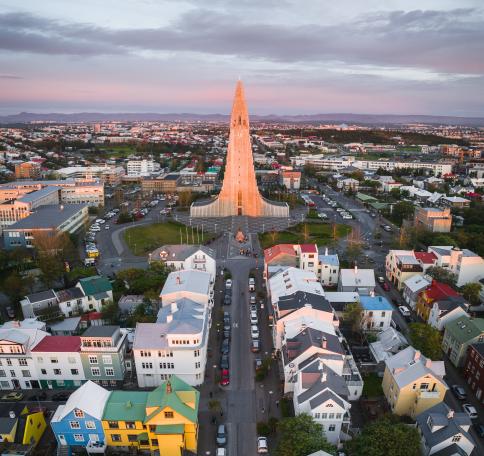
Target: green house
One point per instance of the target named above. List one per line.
(459, 334)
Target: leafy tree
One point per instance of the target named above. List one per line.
(125, 218)
(110, 312)
(395, 193)
(14, 286)
(353, 252)
(426, 339)
(52, 268)
(471, 292)
(300, 436)
(353, 316)
(385, 437)
(185, 198)
(442, 275)
(401, 211)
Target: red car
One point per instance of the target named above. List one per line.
(225, 380)
(386, 287)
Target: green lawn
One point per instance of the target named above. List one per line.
(144, 239)
(372, 385)
(117, 150)
(318, 233)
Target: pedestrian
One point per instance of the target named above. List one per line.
(221, 412)
(210, 394)
(277, 404)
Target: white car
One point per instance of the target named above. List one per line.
(253, 318)
(95, 228)
(340, 209)
(254, 332)
(228, 283)
(471, 411)
(102, 222)
(322, 215)
(106, 227)
(221, 452)
(99, 221)
(262, 445)
(404, 310)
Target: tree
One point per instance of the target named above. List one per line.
(52, 269)
(385, 437)
(427, 339)
(401, 211)
(471, 292)
(353, 252)
(185, 198)
(110, 312)
(353, 316)
(14, 286)
(442, 275)
(300, 436)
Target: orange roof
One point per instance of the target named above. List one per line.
(280, 249)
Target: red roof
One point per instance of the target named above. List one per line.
(426, 257)
(308, 248)
(91, 316)
(58, 344)
(439, 290)
(280, 249)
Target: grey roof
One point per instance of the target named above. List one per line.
(69, 293)
(37, 194)
(68, 324)
(441, 250)
(41, 296)
(333, 381)
(188, 280)
(6, 424)
(324, 397)
(451, 450)
(187, 317)
(51, 216)
(301, 298)
(450, 303)
(100, 331)
(440, 417)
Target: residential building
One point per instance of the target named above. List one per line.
(340, 299)
(413, 383)
(436, 291)
(141, 168)
(308, 257)
(108, 174)
(77, 423)
(50, 220)
(458, 335)
(175, 345)
(104, 355)
(163, 421)
(291, 179)
(474, 370)
(98, 291)
(455, 202)
(57, 362)
(361, 281)
(323, 394)
(433, 219)
(412, 288)
(466, 265)
(17, 368)
(163, 184)
(445, 310)
(328, 268)
(400, 265)
(348, 184)
(377, 313)
(444, 431)
(182, 256)
(277, 256)
(27, 170)
(188, 283)
(388, 343)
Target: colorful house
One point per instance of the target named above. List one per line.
(459, 335)
(77, 423)
(165, 418)
(436, 291)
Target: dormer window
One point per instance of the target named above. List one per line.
(430, 422)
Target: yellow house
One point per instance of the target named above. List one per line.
(413, 383)
(164, 420)
(34, 428)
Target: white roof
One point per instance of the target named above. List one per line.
(292, 280)
(28, 337)
(188, 280)
(417, 283)
(90, 398)
(357, 277)
(28, 323)
(342, 296)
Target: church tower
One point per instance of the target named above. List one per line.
(239, 194)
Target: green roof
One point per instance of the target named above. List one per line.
(365, 198)
(126, 406)
(465, 329)
(180, 393)
(95, 284)
(142, 436)
(170, 429)
(377, 205)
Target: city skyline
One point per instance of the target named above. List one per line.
(379, 58)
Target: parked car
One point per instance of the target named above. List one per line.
(228, 283)
(258, 363)
(227, 300)
(253, 318)
(459, 392)
(60, 397)
(224, 362)
(221, 452)
(225, 347)
(221, 435)
(254, 332)
(251, 284)
(225, 377)
(262, 445)
(252, 299)
(381, 279)
(253, 308)
(13, 396)
(404, 310)
(471, 411)
(255, 346)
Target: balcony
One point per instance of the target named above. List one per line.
(423, 394)
(96, 447)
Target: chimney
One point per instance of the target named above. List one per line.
(326, 251)
(61, 207)
(416, 356)
(11, 414)
(173, 307)
(178, 280)
(324, 342)
(450, 414)
(356, 269)
(168, 387)
(169, 318)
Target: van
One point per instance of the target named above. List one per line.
(251, 284)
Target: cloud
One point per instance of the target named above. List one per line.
(440, 41)
(10, 76)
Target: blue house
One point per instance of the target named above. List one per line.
(78, 422)
(377, 313)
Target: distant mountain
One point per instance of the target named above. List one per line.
(368, 119)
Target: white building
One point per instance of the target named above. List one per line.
(377, 313)
(175, 344)
(357, 280)
(400, 265)
(141, 168)
(188, 283)
(444, 311)
(180, 257)
(328, 268)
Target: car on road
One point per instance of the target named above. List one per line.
(385, 286)
(226, 325)
(255, 346)
(253, 318)
(252, 299)
(228, 283)
(258, 363)
(221, 452)
(13, 396)
(381, 280)
(107, 227)
(227, 300)
(387, 228)
(254, 332)
(471, 411)
(404, 310)
(42, 396)
(224, 362)
(227, 333)
(95, 229)
(251, 284)
(60, 396)
(479, 428)
(262, 445)
(253, 308)
(459, 392)
(225, 377)
(225, 347)
(221, 435)
(322, 215)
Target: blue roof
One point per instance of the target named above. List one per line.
(37, 194)
(375, 303)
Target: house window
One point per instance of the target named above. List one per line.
(331, 416)
(113, 425)
(168, 414)
(154, 442)
(331, 428)
(132, 438)
(74, 372)
(78, 437)
(26, 373)
(95, 371)
(109, 371)
(116, 437)
(456, 438)
(324, 416)
(424, 386)
(147, 365)
(92, 359)
(22, 361)
(197, 365)
(107, 359)
(2, 373)
(130, 425)
(43, 371)
(196, 353)
(74, 425)
(317, 416)
(338, 416)
(54, 360)
(78, 413)
(57, 372)
(90, 425)
(9, 362)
